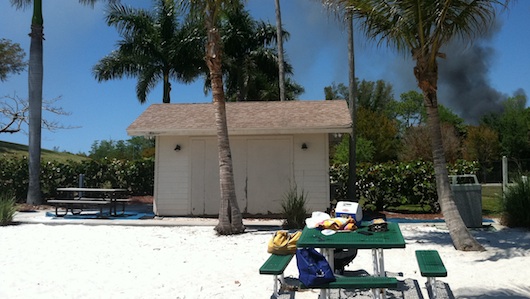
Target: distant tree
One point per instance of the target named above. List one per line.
(373, 118)
(513, 127)
(336, 92)
(416, 144)
(156, 46)
(410, 110)
(365, 151)
(11, 59)
(375, 96)
(132, 149)
(381, 131)
(482, 145)
(14, 114)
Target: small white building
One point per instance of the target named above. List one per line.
(274, 145)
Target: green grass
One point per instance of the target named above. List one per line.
(13, 150)
(491, 200)
(491, 203)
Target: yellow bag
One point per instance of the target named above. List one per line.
(283, 243)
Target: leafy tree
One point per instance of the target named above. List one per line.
(381, 131)
(365, 151)
(513, 127)
(416, 144)
(375, 96)
(209, 11)
(482, 145)
(422, 28)
(132, 149)
(11, 58)
(373, 120)
(410, 110)
(156, 46)
(35, 79)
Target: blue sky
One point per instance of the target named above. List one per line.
(77, 37)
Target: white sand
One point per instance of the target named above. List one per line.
(81, 261)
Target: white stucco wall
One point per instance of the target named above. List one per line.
(187, 181)
(311, 169)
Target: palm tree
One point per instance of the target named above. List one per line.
(230, 218)
(250, 60)
(155, 47)
(281, 71)
(423, 28)
(352, 91)
(337, 7)
(35, 79)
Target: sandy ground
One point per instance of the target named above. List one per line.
(109, 261)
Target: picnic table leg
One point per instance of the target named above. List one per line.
(378, 260)
(328, 253)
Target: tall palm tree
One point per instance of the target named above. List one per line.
(155, 47)
(352, 91)
(281, 72)
(230, 218)
(344, 13)
(423, 28)
(35, 79)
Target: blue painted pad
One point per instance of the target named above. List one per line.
(97, 215)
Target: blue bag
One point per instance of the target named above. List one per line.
(313, 268)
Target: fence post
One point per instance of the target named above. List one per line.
(504, 175)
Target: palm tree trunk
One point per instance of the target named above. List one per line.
(352, 90)
(230, 218)
(35, 78)
(281, 70)
(462, 238)
(167, 88)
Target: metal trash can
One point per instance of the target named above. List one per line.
(468, 198)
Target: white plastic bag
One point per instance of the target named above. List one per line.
(316, 218)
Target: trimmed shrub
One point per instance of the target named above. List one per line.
(137, 176)
(516, 205)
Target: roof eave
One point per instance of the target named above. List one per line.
(241, 131)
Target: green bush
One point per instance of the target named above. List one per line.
(392, 184)
(7, 208)
(137, 176)
(293, 208)
(516, 205)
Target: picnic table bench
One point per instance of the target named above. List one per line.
(275, 265)
(431, 266)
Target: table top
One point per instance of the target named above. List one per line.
(91, 190)
(312, 237)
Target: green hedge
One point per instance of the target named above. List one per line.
(137, 176)
(394, 184)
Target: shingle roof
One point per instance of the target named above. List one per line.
(245, 118)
